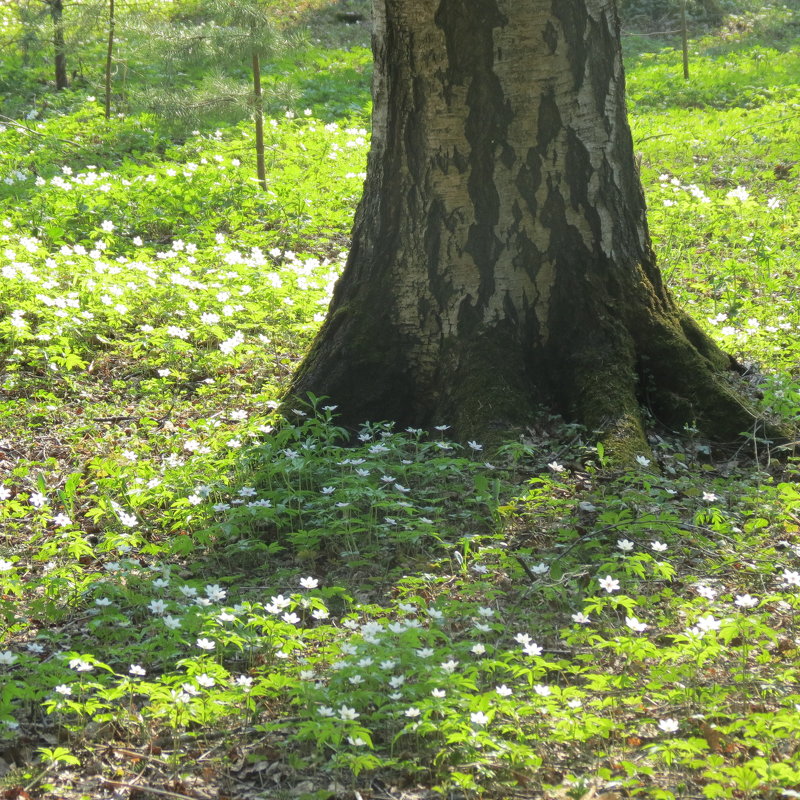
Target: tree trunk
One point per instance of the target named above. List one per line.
(501, 259)
(684, 41)
(258, 115)
(109, 58)
(59, 47)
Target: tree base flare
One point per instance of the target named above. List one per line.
(617, 385)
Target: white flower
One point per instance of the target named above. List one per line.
(643, 460)
(625, 545)
(412, 712)
(709, 497)
(438, 693)
(668, 725)
(581, 618)
(449, 667)
(79, 665)
(739, 193)
(531, 649)
(658, 547)
(555, 466)
(707, 592)
(504, 691)
(542, 690)
(773, 203)
(708, 623)
(62, 688)
(540, 569)
(609, 584)
(279, 601)
(215, 592)
(61, 520)
(790, 578)
(478, 718)
(478, 649)
(309, 583)
(205, 644)
(8, 658)
(107, 225)
(346, 713)
(5, 565)
(137, 670)
(326, 711)
(746, 601)
(635, 625)
(102, 601)
(178, 332)
(205, 680)
(38, 500)
(157, 606)
(128, 520)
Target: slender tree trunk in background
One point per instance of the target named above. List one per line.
(109, 57)
(501, 259)
(59, 47)
(258, 112)
(685, 41)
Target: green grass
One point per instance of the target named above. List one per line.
(197, 597)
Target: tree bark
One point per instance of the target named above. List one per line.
(501, 259)
(59, 46)
(258, 115)
(109, 58)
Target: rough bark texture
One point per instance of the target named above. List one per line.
(501, 259)
(59, 47)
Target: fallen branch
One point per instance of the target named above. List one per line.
(31, 131)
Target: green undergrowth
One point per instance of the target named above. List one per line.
(202, 599)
